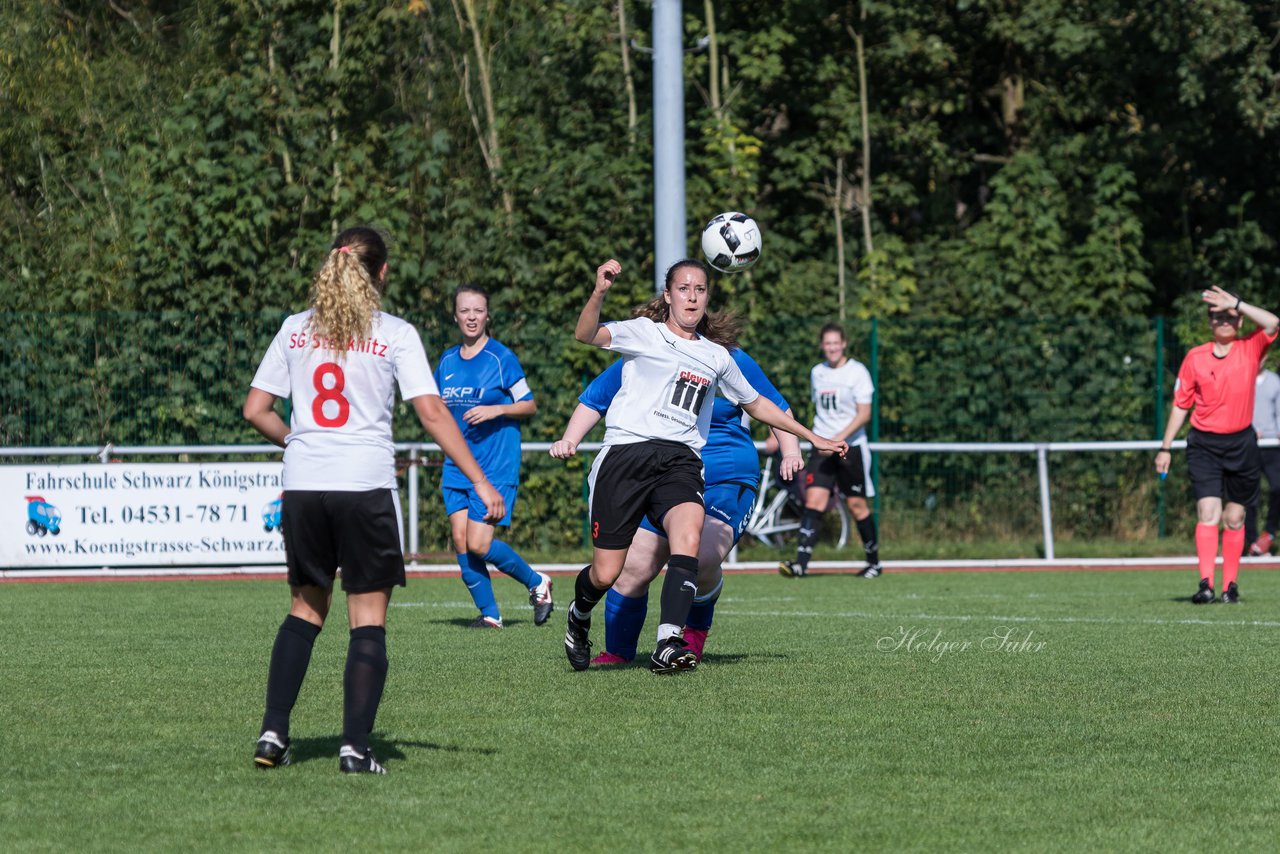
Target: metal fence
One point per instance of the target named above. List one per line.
(1021, 389)
(1031, 483)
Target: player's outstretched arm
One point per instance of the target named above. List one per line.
(792, 461)
(580, 424)
(259, 410)
(589, 330)
(437, 420)
(763, 409)
(1220, 300)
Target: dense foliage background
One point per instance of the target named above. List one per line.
(1033, 185)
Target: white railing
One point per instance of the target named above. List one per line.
(416, 450)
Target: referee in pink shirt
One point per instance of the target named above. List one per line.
(1216, 386)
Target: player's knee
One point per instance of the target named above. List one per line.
(709, 585)
(479, 546)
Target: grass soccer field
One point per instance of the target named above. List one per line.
(931, 711)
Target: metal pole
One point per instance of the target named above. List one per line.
(1046, 512)
(873, 366)
(1160, 423)
(413, 501)
(670, 243)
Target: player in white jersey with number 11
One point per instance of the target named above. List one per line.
(650, 464)
(842, 394)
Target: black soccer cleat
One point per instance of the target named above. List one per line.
(483, 622)
(791, 569)
(1231, 596)
(873, 570)
(577, 645)
(351, 762)
(272, 751)
(672, 656)
(1204, 595)
(540, 599)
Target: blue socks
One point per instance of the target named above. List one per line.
(624, 619)
(476, 576)
(505, 558)
(623, 622)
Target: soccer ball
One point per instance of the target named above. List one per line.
(731, 242)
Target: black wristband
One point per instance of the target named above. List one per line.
(1165, 450)
(1238, 301)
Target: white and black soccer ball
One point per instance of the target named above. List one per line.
(731, 242)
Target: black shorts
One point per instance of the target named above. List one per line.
(644, 479)
(1224, 465)
(851, 473)
(358, 531)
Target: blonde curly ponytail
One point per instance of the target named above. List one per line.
(347, 291)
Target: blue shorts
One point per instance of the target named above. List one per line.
(467, 499)
(728, 502)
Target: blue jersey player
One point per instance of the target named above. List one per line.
(732, 474)
(484, 386)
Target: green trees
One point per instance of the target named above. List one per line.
(1046, 160)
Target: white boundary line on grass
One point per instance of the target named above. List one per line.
(275, 571)
(998, 618)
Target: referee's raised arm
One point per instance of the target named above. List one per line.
(1221, 300)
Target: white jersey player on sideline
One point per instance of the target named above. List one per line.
(339, 363)
(650, 464)
(842, 394)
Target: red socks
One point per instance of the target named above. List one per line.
(1207, 552)
(1207, 549)
(1232, 546)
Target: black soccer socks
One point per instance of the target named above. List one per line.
(362, 684)
(290, 658)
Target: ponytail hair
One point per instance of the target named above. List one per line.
(347, 291)
(723, 327)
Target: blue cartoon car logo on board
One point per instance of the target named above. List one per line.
(272, 514)
(42, 517)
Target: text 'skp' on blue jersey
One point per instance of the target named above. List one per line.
(492, 377)
(730, 454)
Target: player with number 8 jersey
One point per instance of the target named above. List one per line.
(342, 400)
(340, 363)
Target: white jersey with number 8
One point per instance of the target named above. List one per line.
(340, 427)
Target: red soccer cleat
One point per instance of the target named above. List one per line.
(1262, 545)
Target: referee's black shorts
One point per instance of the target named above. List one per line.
(629, 482)
(1224, 465)
(358, 531)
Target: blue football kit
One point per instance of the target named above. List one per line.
(492, 377)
